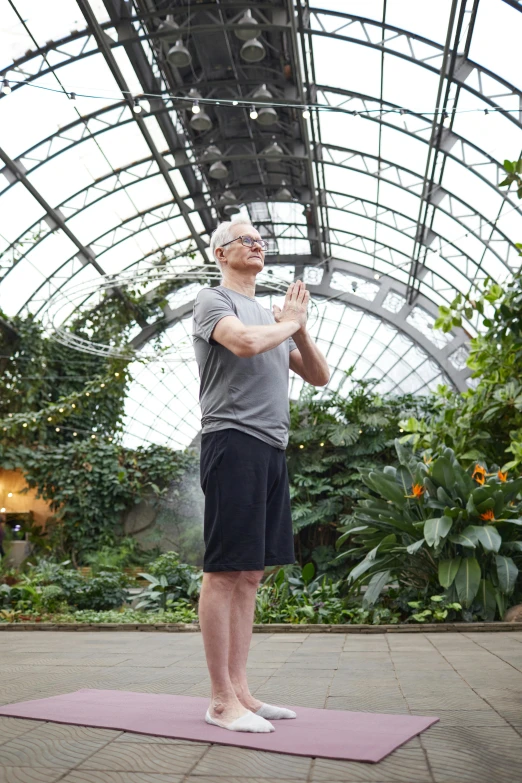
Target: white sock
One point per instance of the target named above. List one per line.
(247, 722)
(271, 712)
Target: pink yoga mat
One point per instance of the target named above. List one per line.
(330, 734)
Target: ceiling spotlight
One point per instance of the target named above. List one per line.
(252, 51)
(246, 29)
(228, 203)
(266, 115)
(218, 170)
(178, 55)
(211, 153)
(136, 108)
(273, 149)
(253, 113)
(377, 276)
(306, 114)
(283, 194)
(200, 120)
(169, 30)
(6, 87)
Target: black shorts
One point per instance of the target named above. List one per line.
(248, 523)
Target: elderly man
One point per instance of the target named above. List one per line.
(244, 353)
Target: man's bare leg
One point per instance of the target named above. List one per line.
(214, 618)
(240, 634)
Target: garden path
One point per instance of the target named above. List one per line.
(473, 681)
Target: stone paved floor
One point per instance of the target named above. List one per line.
(473, 681)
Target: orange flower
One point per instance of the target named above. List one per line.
(479, 474)
(502, 476)
(417, 490)
(488, 515)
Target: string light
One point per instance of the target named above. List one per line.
(72, 96)
(301, 446)
(273, 104)
(306, 114)
(75, 434)
(195, 108)
(57, 429)
(61, 410)
(117, 374)
(49, 418)
(321, 444)
(9, 494)
(253, 113)
(6, 87)
(25, 424)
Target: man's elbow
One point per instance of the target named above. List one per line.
(246, 346)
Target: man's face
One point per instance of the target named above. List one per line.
(240, 257)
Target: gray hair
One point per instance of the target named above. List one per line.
(224, 234)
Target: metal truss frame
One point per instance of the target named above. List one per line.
(457, 74)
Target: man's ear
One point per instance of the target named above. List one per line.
(220, 255)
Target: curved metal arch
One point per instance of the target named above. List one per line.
(297, 158)
(397, 320)
(399, 31)
(63, 132)
(143, 213)
(339, 193)
(48, 280)
(392, 126)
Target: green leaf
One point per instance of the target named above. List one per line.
(489, 537)
(308, 573)
(448, 571)
(388, 489)
(486, 596)
(414, 548)
(442, 473)
(467, 538)
(375, 587)
(507, 573)
(509, 166)
(435, 529)
(467, 580)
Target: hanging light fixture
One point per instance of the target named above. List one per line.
(178, 55)
(228, 203)
(5, 87)
(283, 194)
(253, 113)
(200, 120)
(266, 115)
(218, 170)
(273, 149)
(211, 153)
(246, 27)
(252, 51)
(136, 107)
(170, 30)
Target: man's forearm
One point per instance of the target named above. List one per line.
(259, 339)
(314, 363)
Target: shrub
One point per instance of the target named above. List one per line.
(169, 580)
(433, 524)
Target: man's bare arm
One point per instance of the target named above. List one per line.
(308, 361)
(245, 341)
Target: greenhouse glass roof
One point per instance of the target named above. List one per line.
(372, 169)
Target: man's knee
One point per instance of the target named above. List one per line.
(251, 578)
(222, 580)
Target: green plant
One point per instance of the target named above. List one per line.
(128, 552)
(436, 610)
(169, 580)
(431, 524)
(89, 484)
(330, 438)
(106, 590)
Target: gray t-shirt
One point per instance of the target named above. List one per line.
(245, 393)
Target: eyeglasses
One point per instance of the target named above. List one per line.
(247, 241)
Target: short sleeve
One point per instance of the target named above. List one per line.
(210, 307)
(291, 345)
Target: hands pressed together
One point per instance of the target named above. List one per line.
(295, 307)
